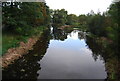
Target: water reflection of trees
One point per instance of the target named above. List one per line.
(61, 34)
(81, 35)
(27, 66)
(109, 54)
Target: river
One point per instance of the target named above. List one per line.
(60, 55)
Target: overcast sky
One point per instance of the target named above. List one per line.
(79, 6)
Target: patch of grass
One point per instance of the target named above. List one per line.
(12, 40)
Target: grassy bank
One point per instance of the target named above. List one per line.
(11, 40)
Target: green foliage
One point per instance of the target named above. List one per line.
(83, 24)
(8, 41)
(59, 17)
(110, 32)
(114, 11)
(12, 40)
(82, 19)
(21, 17)
(95, 25)
(72, 19)
(22, 20)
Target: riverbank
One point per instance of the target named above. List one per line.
(20, 48)
(107, 49)
(15, 53)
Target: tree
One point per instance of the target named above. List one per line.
(95, 24)
(59, 17)
(22, 17)
(72, 19)
(114, 12)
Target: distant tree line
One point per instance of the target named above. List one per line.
(106, 24)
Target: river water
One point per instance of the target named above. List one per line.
(62, 55)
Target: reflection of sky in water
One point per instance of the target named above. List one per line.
(73, 35)
(70, 59)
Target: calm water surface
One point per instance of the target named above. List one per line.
(63, 56)
(70, 59)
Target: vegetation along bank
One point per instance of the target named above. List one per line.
(23, 23)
